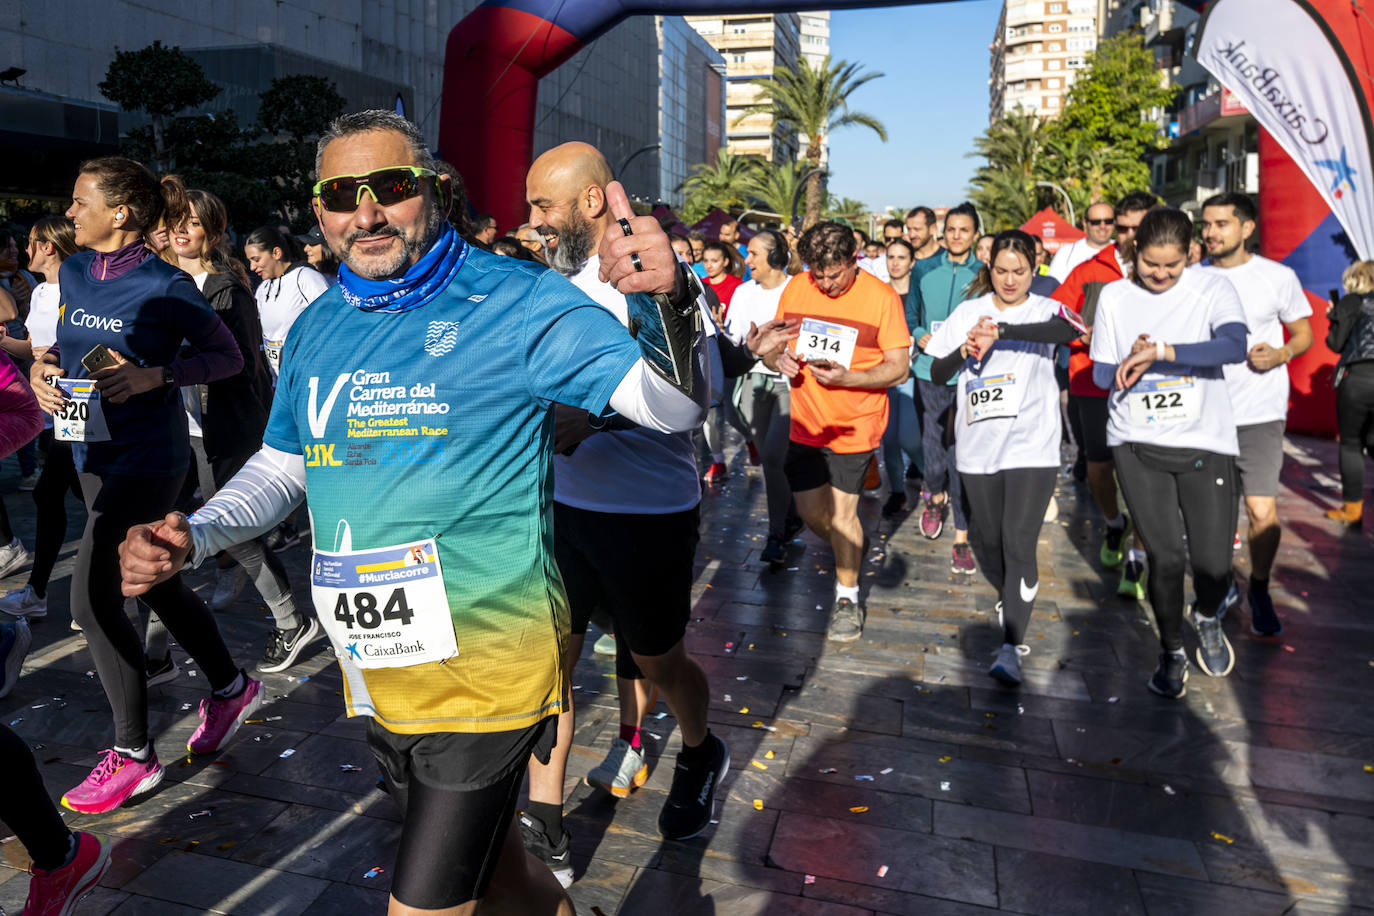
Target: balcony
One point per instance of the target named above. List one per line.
(1220, 110)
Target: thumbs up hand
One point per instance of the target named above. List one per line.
(641, 261)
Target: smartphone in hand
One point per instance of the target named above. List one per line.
(99, 358)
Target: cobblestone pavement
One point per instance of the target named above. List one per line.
(890, 775)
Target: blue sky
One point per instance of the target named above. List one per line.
(933, 100)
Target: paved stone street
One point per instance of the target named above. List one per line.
(887, 776)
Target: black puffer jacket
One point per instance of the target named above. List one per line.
(233, 411)
(1352, 330)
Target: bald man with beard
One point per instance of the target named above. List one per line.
(625, 526)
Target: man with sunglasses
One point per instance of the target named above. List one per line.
(1098, 223)
(414, 407)
(1088, 402)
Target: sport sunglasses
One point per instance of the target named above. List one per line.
(391, 185)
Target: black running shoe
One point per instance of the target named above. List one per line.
(895, 504)
(284, 646)
(557, 858)
(792, 527)
(688, 809)
(913, 473)
(775, 552)
(1263, 620)
(160, 672)
(1171, 677)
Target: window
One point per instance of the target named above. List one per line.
(1052, 65)
(1056, 7)
(1052, 83)
(1075, 62)
(1056, 27)
(1055, 46)
(1052, 101)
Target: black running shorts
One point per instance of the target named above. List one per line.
(808, 467)
(458, 792)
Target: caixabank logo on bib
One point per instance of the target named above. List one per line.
(396, 649)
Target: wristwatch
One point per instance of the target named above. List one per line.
(168, 379)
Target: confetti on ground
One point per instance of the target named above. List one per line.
(1368, 768)
(1288, 648)
(1169, 790)
(1225, 839)
(946, 759)
(349, 768)
(373, 872)
(16, 721)
(806, 879)
(882, 872)
(90, 674)
(743, 710)
(885, 771)
(287, 753)
(7, 839)
(729, 699)
(859, 809)
(274, 718)
(758, 804)
(769, 755)
(203, 812)
(742, 677)
(302, 679)
(944, 787)
(185, 706)
(771, 728)
(757, 765)
(229, 845)
(1113, 699)
(252, 721)
(827, 771)
(662, 715)
(864, 778)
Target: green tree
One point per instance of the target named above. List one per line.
(776, 185)
(728, 184)
(1114, 98)
(846, 209)
(292, 114)
(815, 103)
(160, 82)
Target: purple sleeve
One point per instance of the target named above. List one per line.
(20, 417)
(218, 356)
(1228, 346)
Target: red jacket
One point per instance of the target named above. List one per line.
(1102, 268)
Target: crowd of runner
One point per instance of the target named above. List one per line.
(504, 438)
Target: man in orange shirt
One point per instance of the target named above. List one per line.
(851, 346)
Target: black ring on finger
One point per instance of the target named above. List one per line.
(625, 226)
(634, 259)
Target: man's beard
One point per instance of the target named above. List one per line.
(412, 248)
(575, 240)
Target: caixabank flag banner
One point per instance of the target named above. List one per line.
(1284, 62)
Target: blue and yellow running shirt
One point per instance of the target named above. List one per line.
(433, 427)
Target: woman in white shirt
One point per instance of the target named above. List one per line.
(1159, 342)
(764, 395)
(1002, 344)
(289, 285)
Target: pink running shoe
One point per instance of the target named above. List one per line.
(115, 780)
(933, 519)
(55, 893)
(219, 719)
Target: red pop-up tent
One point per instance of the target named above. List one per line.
(1052, 228)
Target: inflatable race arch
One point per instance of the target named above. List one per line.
(1300, 66)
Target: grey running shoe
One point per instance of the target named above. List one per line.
(1214, 655)
(846, 622)
(1007, 667)
(622, 771)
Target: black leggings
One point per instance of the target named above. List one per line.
(114, 504)
(1006, 512)
(1172, 492)
(1355, 422)
(25, 807)
(50, 497)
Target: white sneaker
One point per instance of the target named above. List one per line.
(24, 602)
(12, 557)
(228, 584)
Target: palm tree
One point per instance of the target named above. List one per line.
(1091, 173)
(1004, 188)
(846, 208)
(815, 103)
(727, 184)
(775, 186)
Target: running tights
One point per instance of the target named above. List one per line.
(1355, 420)
(903, 434)
(765, 402)
(114, 504)
(1006, 511)
(1172, 493)
(25, 807)
(50, 497)
(937, 445)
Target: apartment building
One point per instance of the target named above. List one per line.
(1037, 48)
